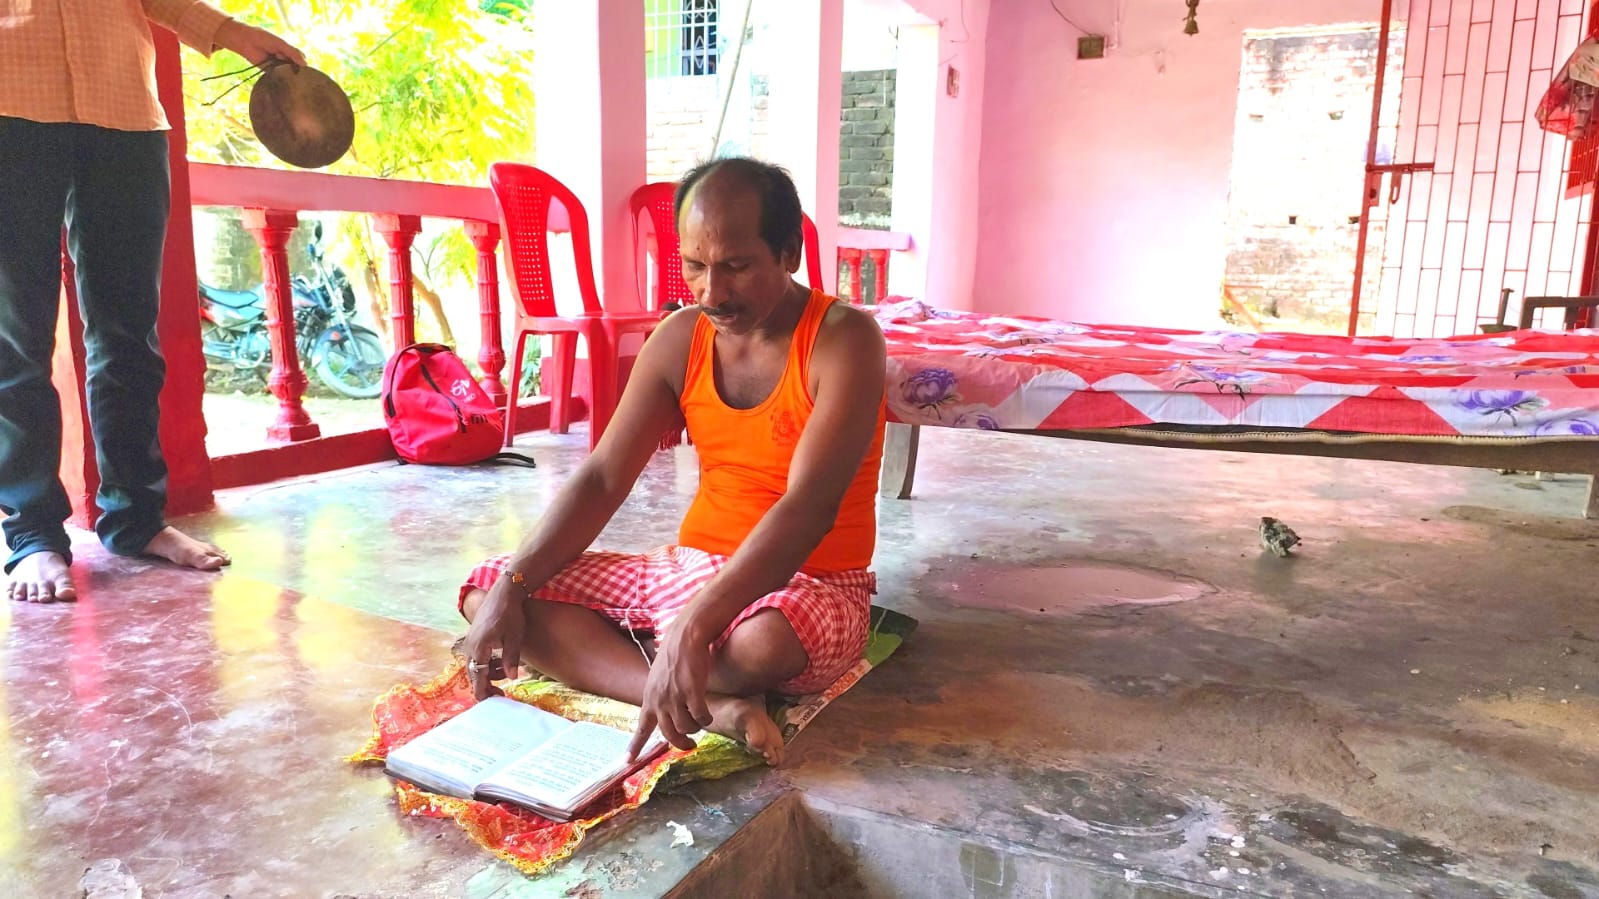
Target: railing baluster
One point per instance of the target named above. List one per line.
(399, 232)
(485, 237)
(880, 275)
(272, 228)
(852, 258)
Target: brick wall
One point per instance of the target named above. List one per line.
(682, 123)
(866, 149)
(758, 121)
(1304, 115)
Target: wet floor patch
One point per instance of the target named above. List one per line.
(1117, 805)
(1547, 527)
(1067, 589)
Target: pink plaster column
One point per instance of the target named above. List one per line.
(399, 232)
(80, 474)
(805, 86)
(589, 74)
(271, 228)
(939, 128)
(879, 274)
(485, 237)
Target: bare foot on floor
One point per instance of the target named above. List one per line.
(41, 577)
(745, 720)
(181, 549)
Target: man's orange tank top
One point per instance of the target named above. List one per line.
(745, 454)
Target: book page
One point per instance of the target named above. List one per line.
(457, 755)
(562, 773)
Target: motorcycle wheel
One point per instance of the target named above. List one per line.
(353, 367)
(235, 362)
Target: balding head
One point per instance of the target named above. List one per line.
(721, 185)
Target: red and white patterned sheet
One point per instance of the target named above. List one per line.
(971, 370)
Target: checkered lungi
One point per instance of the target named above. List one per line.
(644, 592)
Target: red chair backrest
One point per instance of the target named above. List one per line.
(813, 251)
(524, 195)
(656, 199)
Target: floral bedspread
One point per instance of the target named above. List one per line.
(971, 370)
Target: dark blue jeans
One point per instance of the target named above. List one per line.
(111, 189)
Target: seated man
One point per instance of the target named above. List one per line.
(767, 587)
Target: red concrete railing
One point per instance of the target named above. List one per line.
(273, 200)
(856, 246)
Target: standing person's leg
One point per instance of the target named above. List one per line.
(34, 177)
(116, 229)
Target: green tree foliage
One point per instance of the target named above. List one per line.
(441, 89)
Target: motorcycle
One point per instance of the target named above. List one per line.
(346, 357)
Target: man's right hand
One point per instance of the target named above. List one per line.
(589, 498)
(499, 624)
(257, 44)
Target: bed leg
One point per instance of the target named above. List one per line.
(1592, 509)
(899, 460)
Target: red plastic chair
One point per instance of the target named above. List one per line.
(655, 199)
(813, 251)
(524, 194)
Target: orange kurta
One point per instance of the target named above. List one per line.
(745, 454)
(93, 61)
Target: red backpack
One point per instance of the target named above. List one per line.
(435, 411)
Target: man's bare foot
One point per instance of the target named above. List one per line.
(41, 577)
(745, 720)
(181, 549)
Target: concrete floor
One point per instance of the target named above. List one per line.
(1113, 691)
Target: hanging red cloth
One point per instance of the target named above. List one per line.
(1567, 108)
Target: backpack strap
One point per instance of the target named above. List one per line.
(388, 389)
(507, 458)
(460, 417)
(510, 458)
(420, 349)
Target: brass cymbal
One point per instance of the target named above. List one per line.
(302, 116)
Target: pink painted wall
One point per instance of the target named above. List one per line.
(1104, 183)
(949, 248)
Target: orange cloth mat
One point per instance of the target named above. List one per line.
(533, 843)
(529, 842)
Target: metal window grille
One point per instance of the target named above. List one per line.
(1476, 197)
(681, 37)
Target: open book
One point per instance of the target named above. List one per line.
(501, 750)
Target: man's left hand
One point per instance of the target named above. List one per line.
(674, 694)
(257, 44)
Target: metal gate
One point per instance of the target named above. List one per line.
(1465, 196)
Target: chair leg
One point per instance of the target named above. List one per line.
(600, 412)
(603, 364)
(562, 361)
(514, 389)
